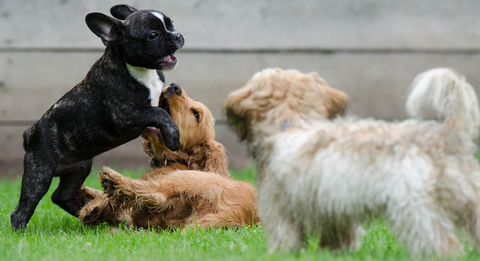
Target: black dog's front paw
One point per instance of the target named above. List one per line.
(168, 130)
(17, 220)
(171, 138)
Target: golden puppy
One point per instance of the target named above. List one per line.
(184, 199)
(198, 151)
(198, 148)
(323, 176)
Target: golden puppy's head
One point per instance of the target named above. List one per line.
(278, 97)
(196, 127)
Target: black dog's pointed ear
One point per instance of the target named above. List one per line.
(107, 28)
(122, 11)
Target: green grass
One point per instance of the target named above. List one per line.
(52, 234)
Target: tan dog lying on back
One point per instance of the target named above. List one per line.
(167, 197)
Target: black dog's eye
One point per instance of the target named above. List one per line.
(195, 113)
(152, 35)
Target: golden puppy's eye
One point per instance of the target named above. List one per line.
(195, 113)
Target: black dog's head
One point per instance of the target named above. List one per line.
(143, 38)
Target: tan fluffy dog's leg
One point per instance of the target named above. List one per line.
(97, 211)
(141, 194)
(84, 195)
(212, 220)
(104, 209)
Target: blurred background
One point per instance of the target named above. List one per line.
(371, 49)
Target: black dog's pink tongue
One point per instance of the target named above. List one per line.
(169, 58)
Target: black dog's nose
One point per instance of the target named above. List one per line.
(174, 88)
(178, 37)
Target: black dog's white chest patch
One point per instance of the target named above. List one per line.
(150, 79)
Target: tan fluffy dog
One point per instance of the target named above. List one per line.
(323, 176)
(208, 197)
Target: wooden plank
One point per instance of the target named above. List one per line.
(376, 83)
(127, 156)
(31, 82)
(11, 152)
(264, 24)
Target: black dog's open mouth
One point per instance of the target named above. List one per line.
(168, 62)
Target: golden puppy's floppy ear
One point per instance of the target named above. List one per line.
(216, 160)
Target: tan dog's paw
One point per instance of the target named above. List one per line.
(96, 211)
(116, 186)
(84, 195)
(109, 179)
(90, 217)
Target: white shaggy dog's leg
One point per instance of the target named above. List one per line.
(282, 230)
(424, 228)
(414, 207)
(473, 225)
(284, 234)
(471, 191)
(342, 237)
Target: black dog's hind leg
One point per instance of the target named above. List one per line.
(71, 179)
(37, 177)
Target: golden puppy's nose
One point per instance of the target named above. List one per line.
(174, 88)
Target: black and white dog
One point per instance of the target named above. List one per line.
(115, 102)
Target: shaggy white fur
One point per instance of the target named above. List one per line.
(449, 94)
(323, 176)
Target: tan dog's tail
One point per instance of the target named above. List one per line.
(447, 93)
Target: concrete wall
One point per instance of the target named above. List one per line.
(370, 49)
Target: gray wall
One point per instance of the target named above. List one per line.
(370, 49)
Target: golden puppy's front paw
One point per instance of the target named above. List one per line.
(109, 179)
(96, 211)
(90, 216)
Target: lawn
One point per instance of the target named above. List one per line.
(52, 234)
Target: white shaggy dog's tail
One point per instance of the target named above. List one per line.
(449, 95)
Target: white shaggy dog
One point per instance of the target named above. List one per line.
(323, 176)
